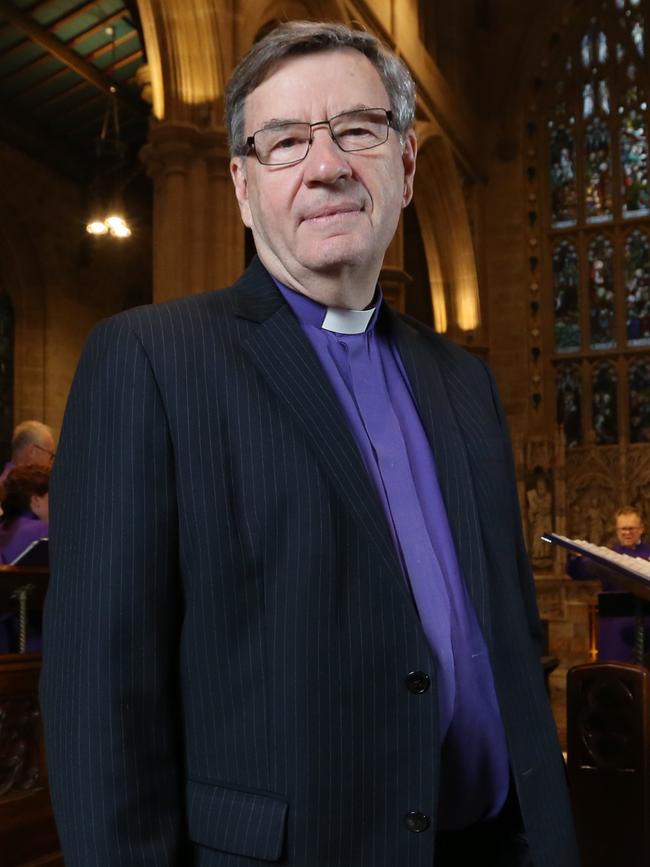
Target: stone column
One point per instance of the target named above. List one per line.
(393, 278)
(198, 237)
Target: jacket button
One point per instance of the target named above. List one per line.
(417, 822)
(417, 682)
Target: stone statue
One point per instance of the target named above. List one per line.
(539, 517)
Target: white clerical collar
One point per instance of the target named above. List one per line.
(345, 321)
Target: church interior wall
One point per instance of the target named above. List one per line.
(60, 281)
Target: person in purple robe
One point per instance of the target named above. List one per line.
(616, 633)
(25, 514)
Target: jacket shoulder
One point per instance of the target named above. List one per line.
(447, 353)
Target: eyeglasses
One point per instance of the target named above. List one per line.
(283, 144)
(47, 451)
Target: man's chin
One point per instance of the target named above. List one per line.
(335, 257)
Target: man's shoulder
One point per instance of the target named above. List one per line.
(176, 309)
(190, 311)
(446, 351)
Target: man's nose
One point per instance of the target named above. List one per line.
(325, 163)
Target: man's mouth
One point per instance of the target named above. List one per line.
(331, 213)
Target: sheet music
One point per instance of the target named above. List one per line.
(636, 568)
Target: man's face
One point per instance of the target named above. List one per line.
(37, 453)
(629, 529)
(334, 213)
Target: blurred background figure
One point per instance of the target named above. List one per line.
(25, 506)
(630, 529)
(32, 443)
(25, 509)
(617, 614)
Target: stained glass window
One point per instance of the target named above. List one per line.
(568, 391)
(602, 48)
(637, 288)
(602, 301)
(603, 96)
(6, 372)
(638, 35)
(588, 100)
(604, 413)
(598, 172)
(639, 388)
(566, 281)
(634, 164)
(563, 178)
(597, 274)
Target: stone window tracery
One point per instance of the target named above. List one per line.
(595, 133)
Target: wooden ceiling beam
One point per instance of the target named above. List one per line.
(49, 102)
(71, 15)
(26, 67)
(32, 65)
(105, 49)
(41, 36)
(124, 61)
(35, 85)
(101, 25)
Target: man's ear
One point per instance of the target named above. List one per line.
(240, 180)
(409, 156)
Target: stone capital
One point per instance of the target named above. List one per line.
(172, 148)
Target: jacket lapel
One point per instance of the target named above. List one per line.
(286, 360)
(424, 368)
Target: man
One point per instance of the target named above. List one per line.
(298, 625)
(630, 529)
(32, 443)
(617, 622)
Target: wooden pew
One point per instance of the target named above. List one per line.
(27, 832)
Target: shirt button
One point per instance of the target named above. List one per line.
(417, 682)
(416, 822)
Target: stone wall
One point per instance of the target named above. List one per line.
(61, 281)
(569, 609)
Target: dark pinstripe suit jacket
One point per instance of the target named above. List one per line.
(228, 629)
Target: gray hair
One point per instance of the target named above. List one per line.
(29, 433)
(307, 37)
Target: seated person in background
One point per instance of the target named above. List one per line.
(25, 508)
(32, 442)
(616, 633)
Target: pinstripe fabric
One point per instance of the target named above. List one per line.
(228, 630)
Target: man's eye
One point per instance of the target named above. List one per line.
(285, 143)
(356, 131)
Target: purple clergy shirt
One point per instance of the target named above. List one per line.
(369, 379)
(21, 532)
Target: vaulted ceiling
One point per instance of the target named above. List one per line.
(68, 69)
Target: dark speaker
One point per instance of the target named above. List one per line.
(608, 751)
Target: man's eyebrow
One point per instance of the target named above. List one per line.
(282, 121)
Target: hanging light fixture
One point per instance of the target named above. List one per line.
(107, 214)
